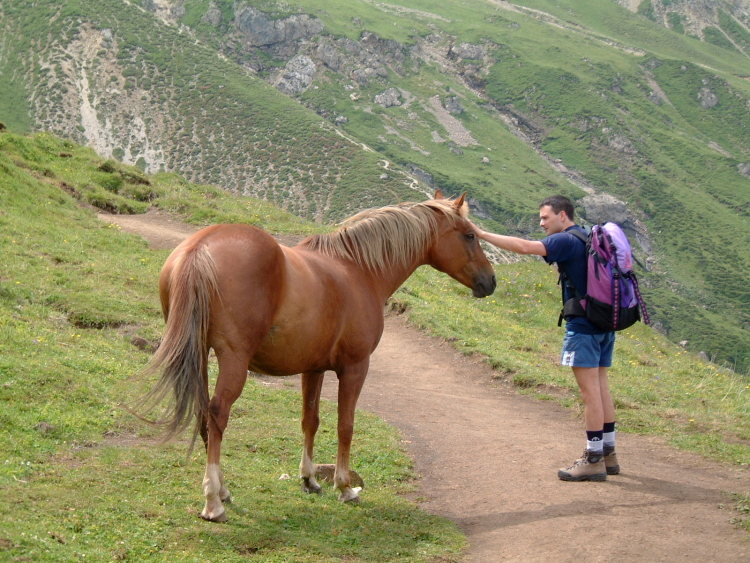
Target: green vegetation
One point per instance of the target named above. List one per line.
(83, 478)
(88, 479)
(654, 117)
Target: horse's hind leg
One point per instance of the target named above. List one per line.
(312, 383)
(231, 380)
(351, 379)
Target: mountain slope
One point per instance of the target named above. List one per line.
(639, 123)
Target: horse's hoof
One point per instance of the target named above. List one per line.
(311, 488)
(219, 518)
(349, 496)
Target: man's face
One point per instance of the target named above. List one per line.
(550, 221)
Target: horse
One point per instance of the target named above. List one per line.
(307, 309)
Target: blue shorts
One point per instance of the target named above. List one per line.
(588, 350)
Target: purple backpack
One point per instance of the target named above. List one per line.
(612, 300)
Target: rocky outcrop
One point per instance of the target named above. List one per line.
(467, 51)
(389, 98)
(600, 208)
(213, 15)
(707, 98)
(365, 60)
(259, 30)
(694, 15)
(297, 76)
(453, 105)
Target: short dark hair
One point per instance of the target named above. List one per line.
(560, 203)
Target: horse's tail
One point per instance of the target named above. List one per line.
(182, 356)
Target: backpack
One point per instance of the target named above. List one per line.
(613, 300)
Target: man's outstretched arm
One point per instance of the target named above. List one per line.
(514, 244)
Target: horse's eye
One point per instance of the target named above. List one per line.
(470, 236)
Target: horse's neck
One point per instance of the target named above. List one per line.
(390, 278)
(385, 280)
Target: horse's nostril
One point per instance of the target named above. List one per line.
(494, 281)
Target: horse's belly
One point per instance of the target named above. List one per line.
(286, 354)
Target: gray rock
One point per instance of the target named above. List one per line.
(364, 75)
(744, 169)
(453, 105)
(213, 15)
(259, 30)
(600, 208)
(297, 76)
(708, 98)
(391, 97)
(621, 144)
(467, 51)
(328, 54)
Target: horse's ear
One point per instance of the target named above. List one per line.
(459, 203)
(439, 195)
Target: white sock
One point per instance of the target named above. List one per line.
(609, 439)
(595, 446)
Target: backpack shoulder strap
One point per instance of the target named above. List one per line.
(579, 235)
(565, 280)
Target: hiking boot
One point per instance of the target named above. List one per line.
(610, 461)
(589, 468)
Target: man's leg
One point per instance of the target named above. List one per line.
(608, 408)
(594, 388)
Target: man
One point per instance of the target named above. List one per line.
(586, 348)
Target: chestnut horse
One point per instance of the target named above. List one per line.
(281, 311)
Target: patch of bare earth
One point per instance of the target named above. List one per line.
(488, 458)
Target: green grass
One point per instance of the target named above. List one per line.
(87, 479)
(81, 474)
(581, 76)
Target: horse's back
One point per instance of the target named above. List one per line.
(249, 265)
(289, 310)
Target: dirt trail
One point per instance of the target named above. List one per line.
(488, 460)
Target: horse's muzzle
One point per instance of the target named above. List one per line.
(484, 286)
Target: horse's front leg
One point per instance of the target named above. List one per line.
(312, 382)
(351, 379)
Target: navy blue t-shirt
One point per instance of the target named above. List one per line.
(569, 252)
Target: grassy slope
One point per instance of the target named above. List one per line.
(62, 379)
(204, 113)
(562, 79)
(77, 470)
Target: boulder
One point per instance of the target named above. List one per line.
(259, 30)
(213, 15)
(391, 97)
(297, 76)
(708, 98)
(453, 105)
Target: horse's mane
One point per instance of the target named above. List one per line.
(379, 238)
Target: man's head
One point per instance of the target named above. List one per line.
(556, 213)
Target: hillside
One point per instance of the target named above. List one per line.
(639, 112)
(79, 311)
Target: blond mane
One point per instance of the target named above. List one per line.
(394, 235)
